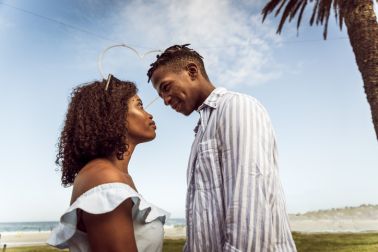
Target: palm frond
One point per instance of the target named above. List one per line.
(295, 9)
(279, 8)
(304, 3)
(323, 17)
(338, 18)
(320, 13)
(288, 9)
(269, 7)
(312, 19)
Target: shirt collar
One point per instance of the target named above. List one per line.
(212, 99)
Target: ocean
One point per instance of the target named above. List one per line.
(49, 225)
(27, 226)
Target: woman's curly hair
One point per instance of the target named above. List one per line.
(95, 126)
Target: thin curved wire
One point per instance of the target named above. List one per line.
(100, 65)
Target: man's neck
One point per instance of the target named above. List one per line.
(206, 89)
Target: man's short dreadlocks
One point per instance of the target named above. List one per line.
(177, 57)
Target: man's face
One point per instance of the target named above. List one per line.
(176, 89)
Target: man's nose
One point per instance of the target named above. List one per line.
(167, 100)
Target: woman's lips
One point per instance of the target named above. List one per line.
(153, 125)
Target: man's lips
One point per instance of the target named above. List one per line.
(176, 106)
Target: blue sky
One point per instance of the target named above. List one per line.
(311, 88)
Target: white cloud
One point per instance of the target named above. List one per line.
(236, 46)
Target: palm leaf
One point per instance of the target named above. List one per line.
(295, 9)
(289, 8)
(269, 7)
(320, 13)
(279, 8)
(304, 3)
(312, 19)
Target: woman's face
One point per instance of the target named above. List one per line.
(141, 128)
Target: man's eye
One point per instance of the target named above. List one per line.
(165, 88)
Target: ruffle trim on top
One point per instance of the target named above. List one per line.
(101, 199)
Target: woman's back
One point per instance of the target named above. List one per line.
(100, 202)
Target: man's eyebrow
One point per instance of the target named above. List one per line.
(139, 100)
(160, 85)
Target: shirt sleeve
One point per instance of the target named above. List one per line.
(248, 161)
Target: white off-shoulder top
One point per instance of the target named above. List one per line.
(148, 220)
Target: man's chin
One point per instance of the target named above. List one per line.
(183, 111)
(186, 113)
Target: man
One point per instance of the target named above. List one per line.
(234, 199)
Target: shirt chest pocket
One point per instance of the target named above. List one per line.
(208, 169)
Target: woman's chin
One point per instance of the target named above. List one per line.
(152, 138)
(149, 138)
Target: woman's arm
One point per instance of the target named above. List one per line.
(113, 231)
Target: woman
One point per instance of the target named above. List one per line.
(104, 123)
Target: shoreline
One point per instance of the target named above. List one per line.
(38, 238)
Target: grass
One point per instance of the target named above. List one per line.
(34, 249)
(336, 242)
(173, 245)
(322, 242)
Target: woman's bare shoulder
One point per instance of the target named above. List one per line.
(96, 172)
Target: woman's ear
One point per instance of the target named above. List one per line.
(192, 70)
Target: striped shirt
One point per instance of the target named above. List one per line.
(235, 200)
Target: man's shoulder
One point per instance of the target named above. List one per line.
(238, 108)
(232, 98)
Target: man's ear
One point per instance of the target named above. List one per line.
(192, 70)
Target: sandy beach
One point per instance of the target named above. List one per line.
(18, 239)
(334, 226)
(177, 232)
